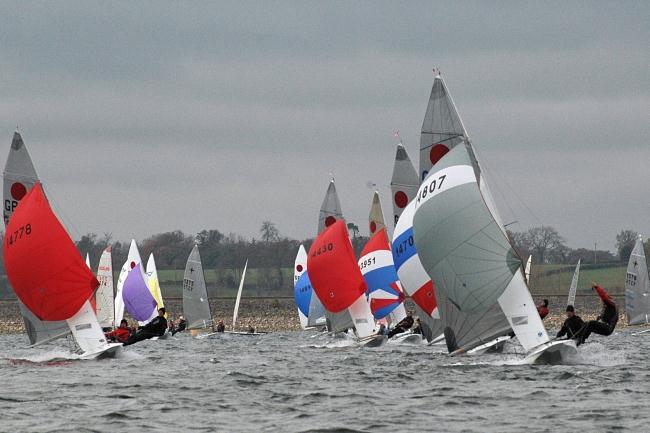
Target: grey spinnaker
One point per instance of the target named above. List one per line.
(460, 246)
(19, 177)
(330, 212)
(442, 128)
(404, 183)
(637, 287)
(196, 305)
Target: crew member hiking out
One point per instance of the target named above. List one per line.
(542, 309)
(572, 325)
(403, 326)
(606, 322)
(155, 328)
(121, 334)
(180, 326)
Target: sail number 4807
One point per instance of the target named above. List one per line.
(323, 249)
(19, 233)
(429, 189)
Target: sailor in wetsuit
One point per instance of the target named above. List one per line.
(403, 326)
(180, 327)
(606, 322)
(121, 334)
(572, 325)
(155, 328)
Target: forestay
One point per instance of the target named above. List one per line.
(574, 285)
(104, 295)
(637, 286)
(196, 306)
(404, 183)
(19, 177)
(466, 252)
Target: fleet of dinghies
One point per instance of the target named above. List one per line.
(449, 253)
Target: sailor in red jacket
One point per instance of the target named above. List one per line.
(542, 309)
(121, 334)
(606, 322)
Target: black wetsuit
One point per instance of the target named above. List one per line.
(155, 328)
(404, 325)
(221, 327)
(182, 324)
(571, 327)
(603, 325)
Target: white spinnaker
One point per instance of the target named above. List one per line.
(241, 286)
(132, 261)
(527, 272)
(86, 330)
(299, 268)
(104, 295)
(153, 283)
(574, 285)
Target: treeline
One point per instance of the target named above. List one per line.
(546, 246)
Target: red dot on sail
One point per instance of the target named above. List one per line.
(329, 221)
(299, 268)
(401, 199)
(373, 226)
(18, 191)
(132, 265)
(437, 152)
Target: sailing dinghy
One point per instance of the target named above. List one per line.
(338, 283)
(104, 303)
(330, 213)
(637, 287)
(196, 305)
(235, 311)
(49, 276)
(574, 286)
(310, 310)
(18, 179)
(464, 249)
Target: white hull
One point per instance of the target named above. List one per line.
(553, 352)
(109, 351)
(407, 337)
(495, 345)
(372, 341)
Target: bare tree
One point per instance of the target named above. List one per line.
(269, 232)
(543, 241)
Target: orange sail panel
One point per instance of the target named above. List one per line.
(333, 269)
(42, 263)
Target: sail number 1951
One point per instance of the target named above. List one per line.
(19, 233)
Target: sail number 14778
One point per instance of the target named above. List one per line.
(19, 233)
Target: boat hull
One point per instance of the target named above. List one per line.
(552, 353)
(111, 350)
(373, 341)
(407, 338)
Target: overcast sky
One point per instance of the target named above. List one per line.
(149, 117)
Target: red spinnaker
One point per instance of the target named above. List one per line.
(43, 264)
(333, 269)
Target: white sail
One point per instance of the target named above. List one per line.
(104, 302)
(196, 305)
(241, 286)
(18, 178)
(153, 283)
(574, 285)
(637, 286)
(299, 268)
(87, 332)
(527, 272)
(88, 260)
(404, 183)
(132, 261)
(376, 216)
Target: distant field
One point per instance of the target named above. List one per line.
(541, 281)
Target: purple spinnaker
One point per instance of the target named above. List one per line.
(137, 298)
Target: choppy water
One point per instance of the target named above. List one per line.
(306, 382)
